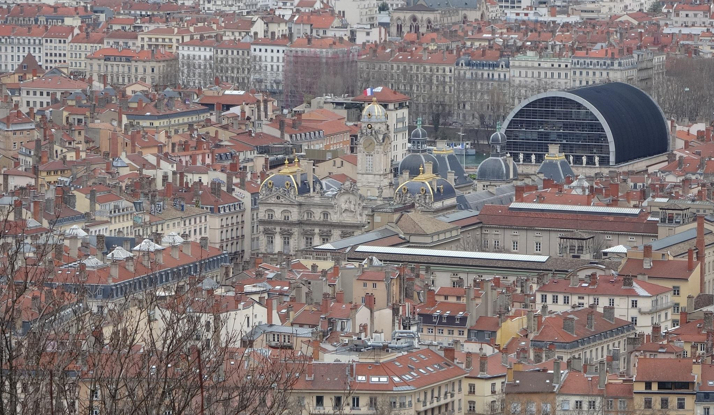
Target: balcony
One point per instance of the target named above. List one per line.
(655, 309)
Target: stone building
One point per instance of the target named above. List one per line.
(232, 63)
(122, 67)
(296, 212)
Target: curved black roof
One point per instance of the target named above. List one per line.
(416, 161)
(638, 126)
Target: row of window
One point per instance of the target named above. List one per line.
(309, 215)
(449, 332)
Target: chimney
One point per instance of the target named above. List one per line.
(431, 297)
(556, 372)
(92, 201)
(656, 333)
(340, 296)
(186, 245)
(469, 359)
(682, 318)
(175, 251)
(36, 210)
(591, 321)
(708, 321)
(17, 210)
(700, 252)
(73, 246)
(270, 305)
(690, 303)
(159, 256)
(325, 306)
(114, 269)
(482, 364)
(44, 158)
(608, 313)
(627, 281)
(602, 374)
(690, 259)
(569, 324)
(647, 257)
(450, 353)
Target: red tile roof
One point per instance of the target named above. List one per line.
(662, 370)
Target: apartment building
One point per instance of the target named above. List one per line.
(55, 44)
(640, 302)
(124, 66)
(666, 385)
(533, 73)
(233, 63)
(583, 333)
(79, 47)
(168, 38)
(18, 42)
(196, 62)
(268, 62)
(417, 382)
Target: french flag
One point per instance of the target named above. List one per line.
(368, 92)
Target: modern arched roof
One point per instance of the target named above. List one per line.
(635, 125)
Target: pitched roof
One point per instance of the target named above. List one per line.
(662, 370)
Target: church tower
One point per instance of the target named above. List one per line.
(374, 167)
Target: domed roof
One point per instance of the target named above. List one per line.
(172, 239)
(441, 191)
(119, 254)
(292, 178)
(374, 112)
(496, 168)
(419, 134)
(75, 231)
(497, 138)
(448, 161)
(147, 245)
(413, 162)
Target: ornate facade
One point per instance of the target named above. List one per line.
(374, 155)
(296, 212)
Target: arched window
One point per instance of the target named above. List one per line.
(269, 214)
(285, 214)
(325, 216)
(309, 215)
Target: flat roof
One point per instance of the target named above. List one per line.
(598, 210)
(450, 254)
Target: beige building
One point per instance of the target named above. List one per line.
(124, 66)
(168, 38)
(81, 46)
(419, 382)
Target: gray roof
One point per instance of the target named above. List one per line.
(358, 239)
(664, 243)
(502, 195)
(458, 215)
(496, 168)
(258, 331)
(556, 170)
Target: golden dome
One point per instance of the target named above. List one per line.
(374, 113)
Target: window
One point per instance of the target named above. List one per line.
(566, 299)
(530, 408)
(496, 244)
(565, 405)
(680, 403)
(537, 247)
(430, 330)
(578, 405)
(472, 389)
(373, 402)
(633, 320)
(545, 409)
(515, 408)
(675, 290)
(374, 285)
(337, 402)
(355, 402)
(611, 302)
(462, 333)
(610, 404)
(633, 304)
(664, 403)
(591, 405)
(320, 401)
(440, 331)
(706, 410)
(648, 386)
(648, 403)
(369, 162)
(515, 245)
(472, 406)
(544, 298)
(555, 298)
(622, 404)
(493, 388)
(675, 308)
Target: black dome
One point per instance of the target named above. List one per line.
(419, 134)
(415, 161)
(278, 181)
(556, 169)
(450, 162)
(442, 191)
(496, 168)
(497, 138)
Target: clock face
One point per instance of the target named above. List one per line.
(368, 145)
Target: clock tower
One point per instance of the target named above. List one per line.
(374, 167)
